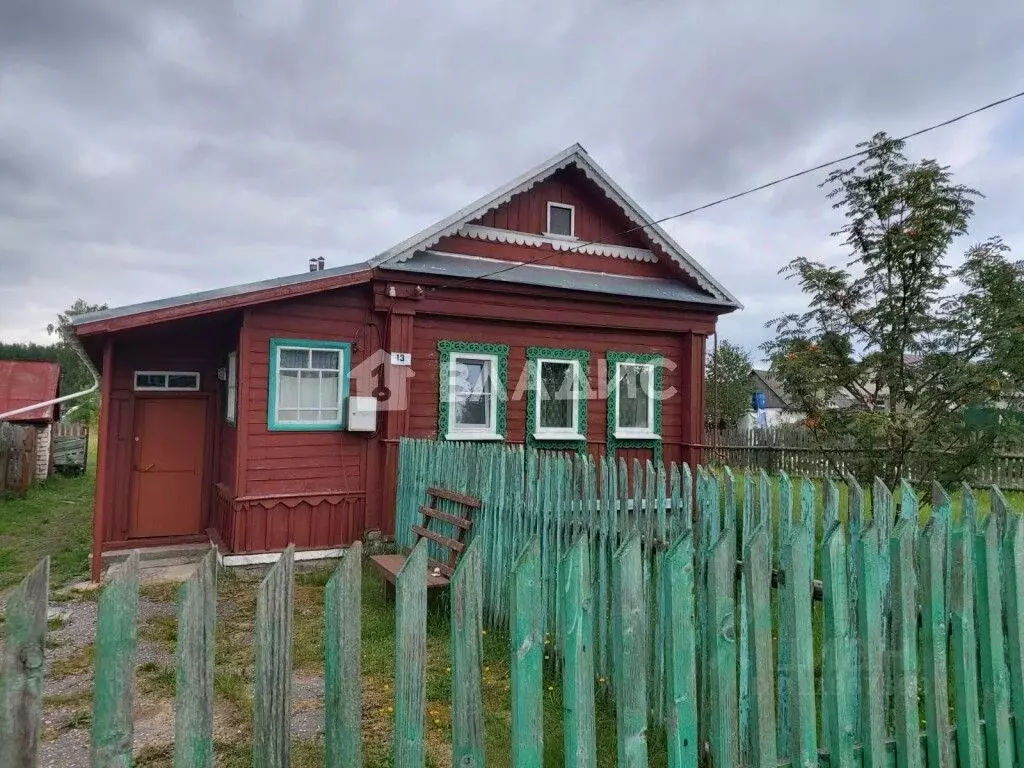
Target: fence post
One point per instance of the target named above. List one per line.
(628, 662)
(468, 735)
(343, 597)
(795, 620)
(872, 650)
(193, 704)
(681, 654)
(116, 636)
(527, 636)
(757, 567)
(840, 680)
(720, 654)
(578, 665)
(904, 638)
(1013, 579)
(931, 574)
(995, 698)
(410, 658)
(272, 675)
(21, 669)
(965, 647)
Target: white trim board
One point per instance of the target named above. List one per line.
(269, 558)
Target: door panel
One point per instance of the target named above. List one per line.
(167, 467)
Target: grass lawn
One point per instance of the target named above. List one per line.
(54, 518)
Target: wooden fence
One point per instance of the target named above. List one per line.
(915, 655)
(792, 449)
(17, 457)
(70, 447)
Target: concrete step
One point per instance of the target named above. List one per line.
(179, 553)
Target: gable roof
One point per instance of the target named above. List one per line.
(577, 156)
(400, 258)
(24, 382)
(775, 393)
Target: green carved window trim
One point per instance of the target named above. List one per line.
(615, 443)
(445, 351)
(533, 355)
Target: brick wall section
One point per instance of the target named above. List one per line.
(43, 444)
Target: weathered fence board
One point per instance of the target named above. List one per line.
(116, 636)
(343, 711)
(272, 675)
(21, 669)
(411, 659)
(468, 736)
(527, 637)
(628, 654)
(193, 704)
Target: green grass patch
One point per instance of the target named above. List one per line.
(157, 680)
(160, 630)
(76, 664)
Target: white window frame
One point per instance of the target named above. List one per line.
(572, 221)
(634, 433)
(280, 424)
(166, 375)
(541, 432)
(473, 432)
(231, 405)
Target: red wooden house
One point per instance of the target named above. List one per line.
(551, 311)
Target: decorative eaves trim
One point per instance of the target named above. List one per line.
(478, 232)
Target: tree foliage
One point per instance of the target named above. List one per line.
(728, 388)
(897, 345)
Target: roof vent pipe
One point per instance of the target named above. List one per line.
(321, 263)
(313, 266)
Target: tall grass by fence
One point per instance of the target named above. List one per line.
(792, 449)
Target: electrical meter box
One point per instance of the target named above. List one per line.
(362, 414)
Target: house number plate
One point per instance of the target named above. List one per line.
(401, 358)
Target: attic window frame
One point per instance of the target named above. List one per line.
(572, 221)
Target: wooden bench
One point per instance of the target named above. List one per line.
(439, 573)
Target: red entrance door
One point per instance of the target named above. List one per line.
(167, 467)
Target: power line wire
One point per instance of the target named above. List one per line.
(744, 193)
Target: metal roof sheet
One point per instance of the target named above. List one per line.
(24, 382)
(218, 293)
(470, 267)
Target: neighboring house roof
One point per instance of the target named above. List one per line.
(24, 382)
(775, 394)
(414, 255)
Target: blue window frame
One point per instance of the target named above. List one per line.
(308, 385)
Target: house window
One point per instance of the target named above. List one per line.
(561, 220)
(556, 400)
(231, 406)
(166, 381)
(635, 401)
(308, 384)
(472, 400)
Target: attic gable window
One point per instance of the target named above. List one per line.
(561, 220)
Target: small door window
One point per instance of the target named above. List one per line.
(166, 381)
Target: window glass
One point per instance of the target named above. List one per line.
(557, 395)
(150, 380)
(634, 396)
(560, 220)
(309, 386)
(472, 393)
(231, 408)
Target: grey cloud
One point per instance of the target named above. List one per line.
(158, 147)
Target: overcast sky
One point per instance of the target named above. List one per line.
(155, 148)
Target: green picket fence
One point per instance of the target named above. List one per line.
(880, 642)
